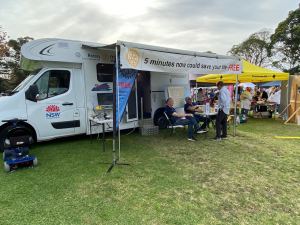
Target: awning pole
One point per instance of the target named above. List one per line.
(115, 118)
(118, 101)
(235, 104)
(114, 160)
(196, 91)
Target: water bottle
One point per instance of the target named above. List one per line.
(207, 108)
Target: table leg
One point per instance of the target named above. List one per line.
(103, 137)
(207, 125)
(90, 131)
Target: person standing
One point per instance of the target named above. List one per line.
(264, 94)
(223, 111)
(246, 99)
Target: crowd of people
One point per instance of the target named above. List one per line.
(257, 99)
(192, 119)
(250, 99)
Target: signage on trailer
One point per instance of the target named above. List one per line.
(158, 61)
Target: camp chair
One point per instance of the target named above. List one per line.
(171, 126)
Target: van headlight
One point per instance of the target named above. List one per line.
(6, 143)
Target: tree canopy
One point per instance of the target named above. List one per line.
(10, 55)
(280, 49)
(255, 49)
(286, 41)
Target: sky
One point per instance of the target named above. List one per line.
(198, 25)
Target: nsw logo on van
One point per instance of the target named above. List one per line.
(52, 111)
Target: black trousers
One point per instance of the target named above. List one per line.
(221, 124)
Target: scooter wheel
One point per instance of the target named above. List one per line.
(35, 162)
(6, 167)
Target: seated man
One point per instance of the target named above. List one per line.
(182, 119)
(191, 107)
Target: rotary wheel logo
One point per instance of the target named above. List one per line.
(133, 57)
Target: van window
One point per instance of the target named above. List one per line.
(53, 83)
(105, 72)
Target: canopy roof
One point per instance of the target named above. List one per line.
(250, 73)
(271, 84)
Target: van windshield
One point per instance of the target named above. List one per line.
(25, 82)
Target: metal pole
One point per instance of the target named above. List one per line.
(117, 90)
(288, 95)
(142, 110)
(235, 104)
(196, 91)
(114, 113)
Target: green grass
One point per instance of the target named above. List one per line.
(250, 179)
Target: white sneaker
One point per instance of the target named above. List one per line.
(191, 139)
(217, 139)
(201, 131)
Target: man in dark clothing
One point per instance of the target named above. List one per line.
(264, 94)
(223, 111)
(182, 119)
(192, 108)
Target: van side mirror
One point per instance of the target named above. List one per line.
(31, 93)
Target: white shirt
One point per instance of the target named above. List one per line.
(224, 100)
(246, 102)
(275, 97)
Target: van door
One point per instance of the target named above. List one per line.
(53, 113)
(80, 96)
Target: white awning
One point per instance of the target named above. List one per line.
(169, 60)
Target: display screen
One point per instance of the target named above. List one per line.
(105, 98)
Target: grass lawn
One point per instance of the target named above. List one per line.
(250, 179)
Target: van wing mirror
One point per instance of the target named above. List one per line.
(32, 92)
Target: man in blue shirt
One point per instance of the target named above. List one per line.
(223, 111)
(182, 119)
(191, 108)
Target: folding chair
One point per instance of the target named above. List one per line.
(171, 126)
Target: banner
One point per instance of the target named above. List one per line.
(148, 60)
(126, 78)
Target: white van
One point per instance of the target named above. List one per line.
(68, 79)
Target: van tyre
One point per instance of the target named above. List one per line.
(6, 167)
(2, 138)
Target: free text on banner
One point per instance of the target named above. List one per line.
(126, 80)
(149, 60)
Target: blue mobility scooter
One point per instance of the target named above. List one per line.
(16, 147)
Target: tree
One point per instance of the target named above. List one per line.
(4, 85)
(3, 43)
(256, 49)
(286, 41)
(3, 53)
(10, 55)
(17, 73)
